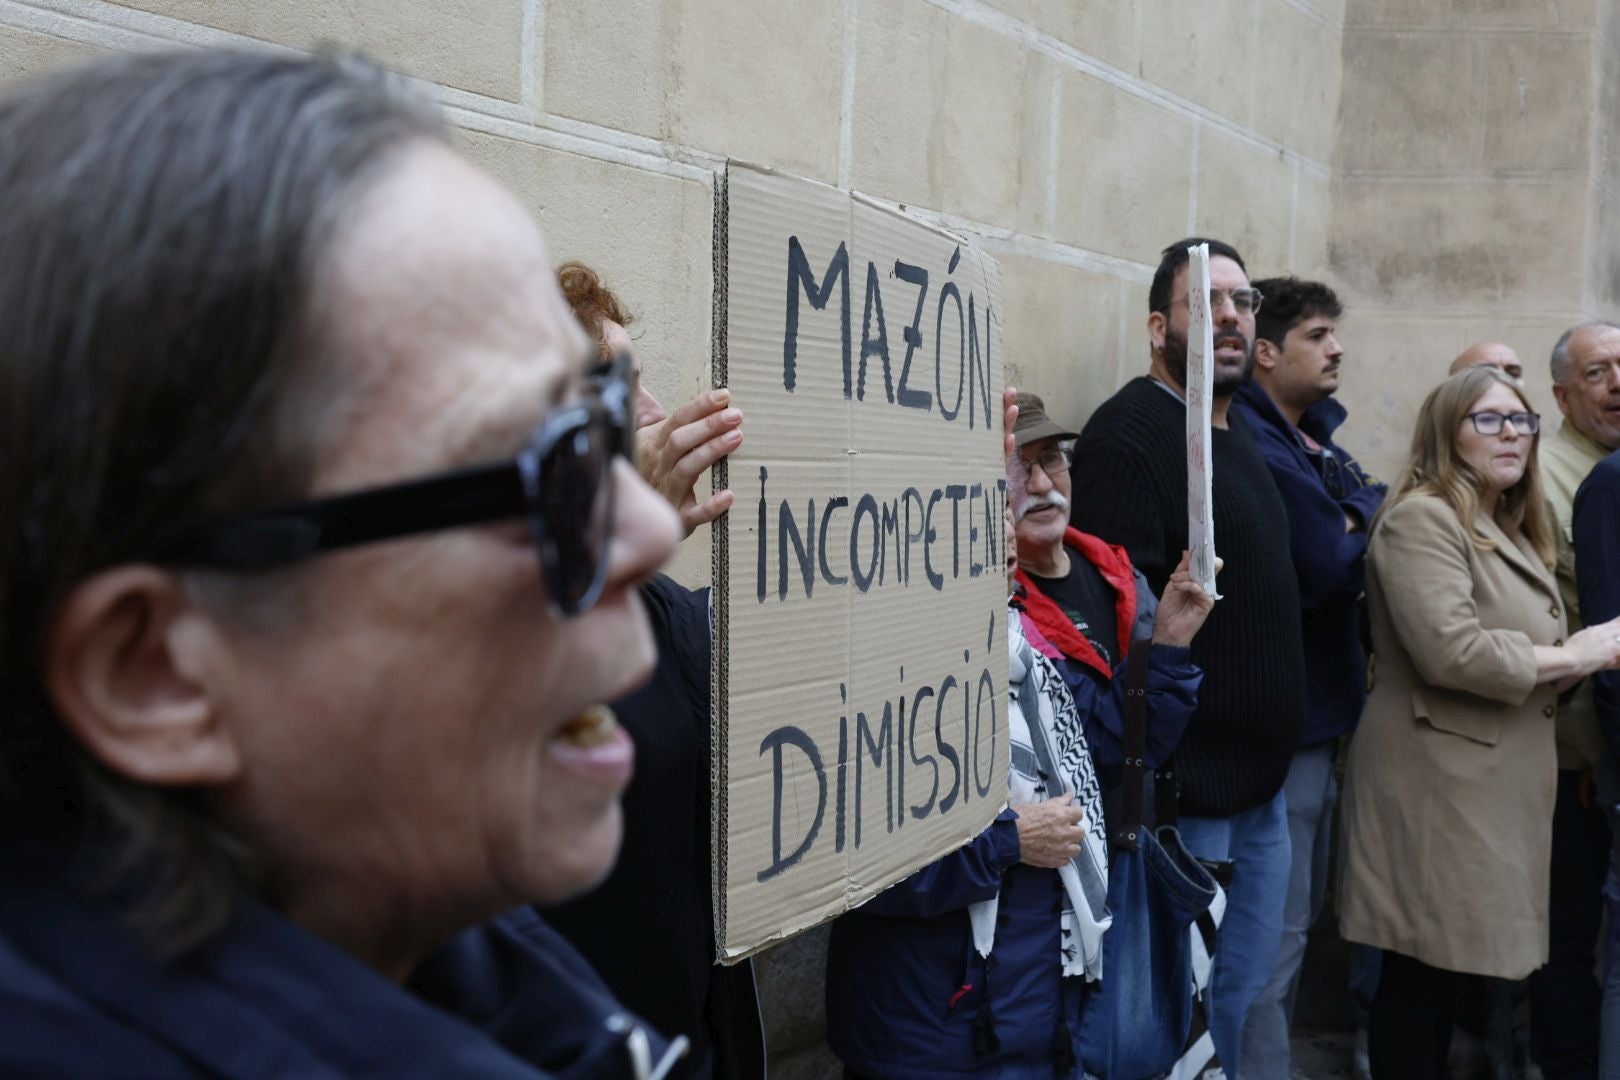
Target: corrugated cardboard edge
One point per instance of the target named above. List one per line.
(720, 591)
(900, 210)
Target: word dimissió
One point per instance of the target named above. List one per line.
(943, 734)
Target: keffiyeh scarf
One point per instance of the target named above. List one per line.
(1050, 758)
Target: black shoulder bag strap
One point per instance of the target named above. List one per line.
(1134, 772)
(1133, 776)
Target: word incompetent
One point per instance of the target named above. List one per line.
(873, 535)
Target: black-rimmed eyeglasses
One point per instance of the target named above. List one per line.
(561, 482)
(1490, 423)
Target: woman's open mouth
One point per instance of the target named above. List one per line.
(593, 745)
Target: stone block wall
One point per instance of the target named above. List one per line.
(1473, 193)
(1074, 137)
(1449, 164)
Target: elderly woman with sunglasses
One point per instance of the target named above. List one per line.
(1449, 789)
(319, 559)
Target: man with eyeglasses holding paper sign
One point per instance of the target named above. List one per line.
(1129, 481)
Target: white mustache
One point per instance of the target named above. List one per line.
(1046, 501)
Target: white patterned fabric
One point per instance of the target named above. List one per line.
(1050, 758)
(1198, 1061)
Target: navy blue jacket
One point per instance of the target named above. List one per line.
(81, 995)
(1596, 526)
(1330, 563)
(905, 985)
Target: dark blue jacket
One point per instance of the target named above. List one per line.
(1596, 527)
(906, 989)
(81, 995)
(1330, 563)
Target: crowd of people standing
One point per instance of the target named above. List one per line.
(333, 622)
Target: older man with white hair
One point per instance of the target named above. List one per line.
(1010, 925)
(1084, 605)
(1564, 996)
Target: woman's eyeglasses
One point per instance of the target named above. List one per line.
(1490, 423)
(562, 482)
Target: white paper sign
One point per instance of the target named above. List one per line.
(1200, 391)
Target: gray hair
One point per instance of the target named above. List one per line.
(166, 216)
(1559, 365)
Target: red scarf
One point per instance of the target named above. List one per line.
(1055, 634)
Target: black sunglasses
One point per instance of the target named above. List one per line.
(562, 482)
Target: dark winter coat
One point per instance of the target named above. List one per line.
(82, 995)
(648, 930)
(1330, 562)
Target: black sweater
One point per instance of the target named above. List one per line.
(648, 930)
(1130, 488)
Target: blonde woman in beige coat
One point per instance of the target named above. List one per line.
(1449, 788)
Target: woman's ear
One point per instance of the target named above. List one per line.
(132, 667)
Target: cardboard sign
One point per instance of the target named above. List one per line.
(1200, 394)
(860, 664)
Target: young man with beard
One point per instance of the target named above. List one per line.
(1129, 481)
(1290, 408)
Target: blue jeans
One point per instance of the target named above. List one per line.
(1256, 842)
(1308, 796)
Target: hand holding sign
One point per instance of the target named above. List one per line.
(1183, 607)
(673, 454)
(1050, 832)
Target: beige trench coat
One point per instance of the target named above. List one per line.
(1448, 795)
